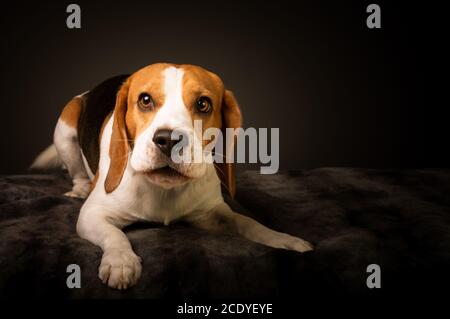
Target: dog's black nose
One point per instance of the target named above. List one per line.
(163, 139)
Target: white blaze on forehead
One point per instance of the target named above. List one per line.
(173, 82)
(173, 114)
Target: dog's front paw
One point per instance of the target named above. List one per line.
(121, 269)
(286, 241)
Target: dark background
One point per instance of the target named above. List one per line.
(341, 94)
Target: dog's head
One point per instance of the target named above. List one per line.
(155, 111)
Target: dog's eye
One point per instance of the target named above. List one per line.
(145, 102)
(203, 104)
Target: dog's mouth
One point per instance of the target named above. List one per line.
(167, 172)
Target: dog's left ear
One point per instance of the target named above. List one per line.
(231, 118)
(119, 147)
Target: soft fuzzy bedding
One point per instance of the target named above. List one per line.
(398, 219)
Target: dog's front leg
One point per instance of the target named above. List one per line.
(120, 266)
(222, 219)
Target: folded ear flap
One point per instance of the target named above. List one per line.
(119, 147)
(231, 118)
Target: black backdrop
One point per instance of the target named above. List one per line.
(341, 94)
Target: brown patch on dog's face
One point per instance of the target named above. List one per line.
(150, 81)
(200, 84)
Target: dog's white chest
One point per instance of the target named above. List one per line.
(145, 201)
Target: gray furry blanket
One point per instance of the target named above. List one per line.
(398, 219)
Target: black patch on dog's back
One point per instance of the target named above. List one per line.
(98, 103)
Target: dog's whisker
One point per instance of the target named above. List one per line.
(223, 173)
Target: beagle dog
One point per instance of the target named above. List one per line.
(116, 141)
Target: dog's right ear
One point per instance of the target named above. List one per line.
(119, 146)
(231, 118)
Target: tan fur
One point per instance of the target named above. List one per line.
(118, 150)
(199, 82)
(147, 80)
(71, 112)
(232, 118)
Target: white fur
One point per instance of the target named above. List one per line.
(128, 201)
(65, 139)
(136, 198)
